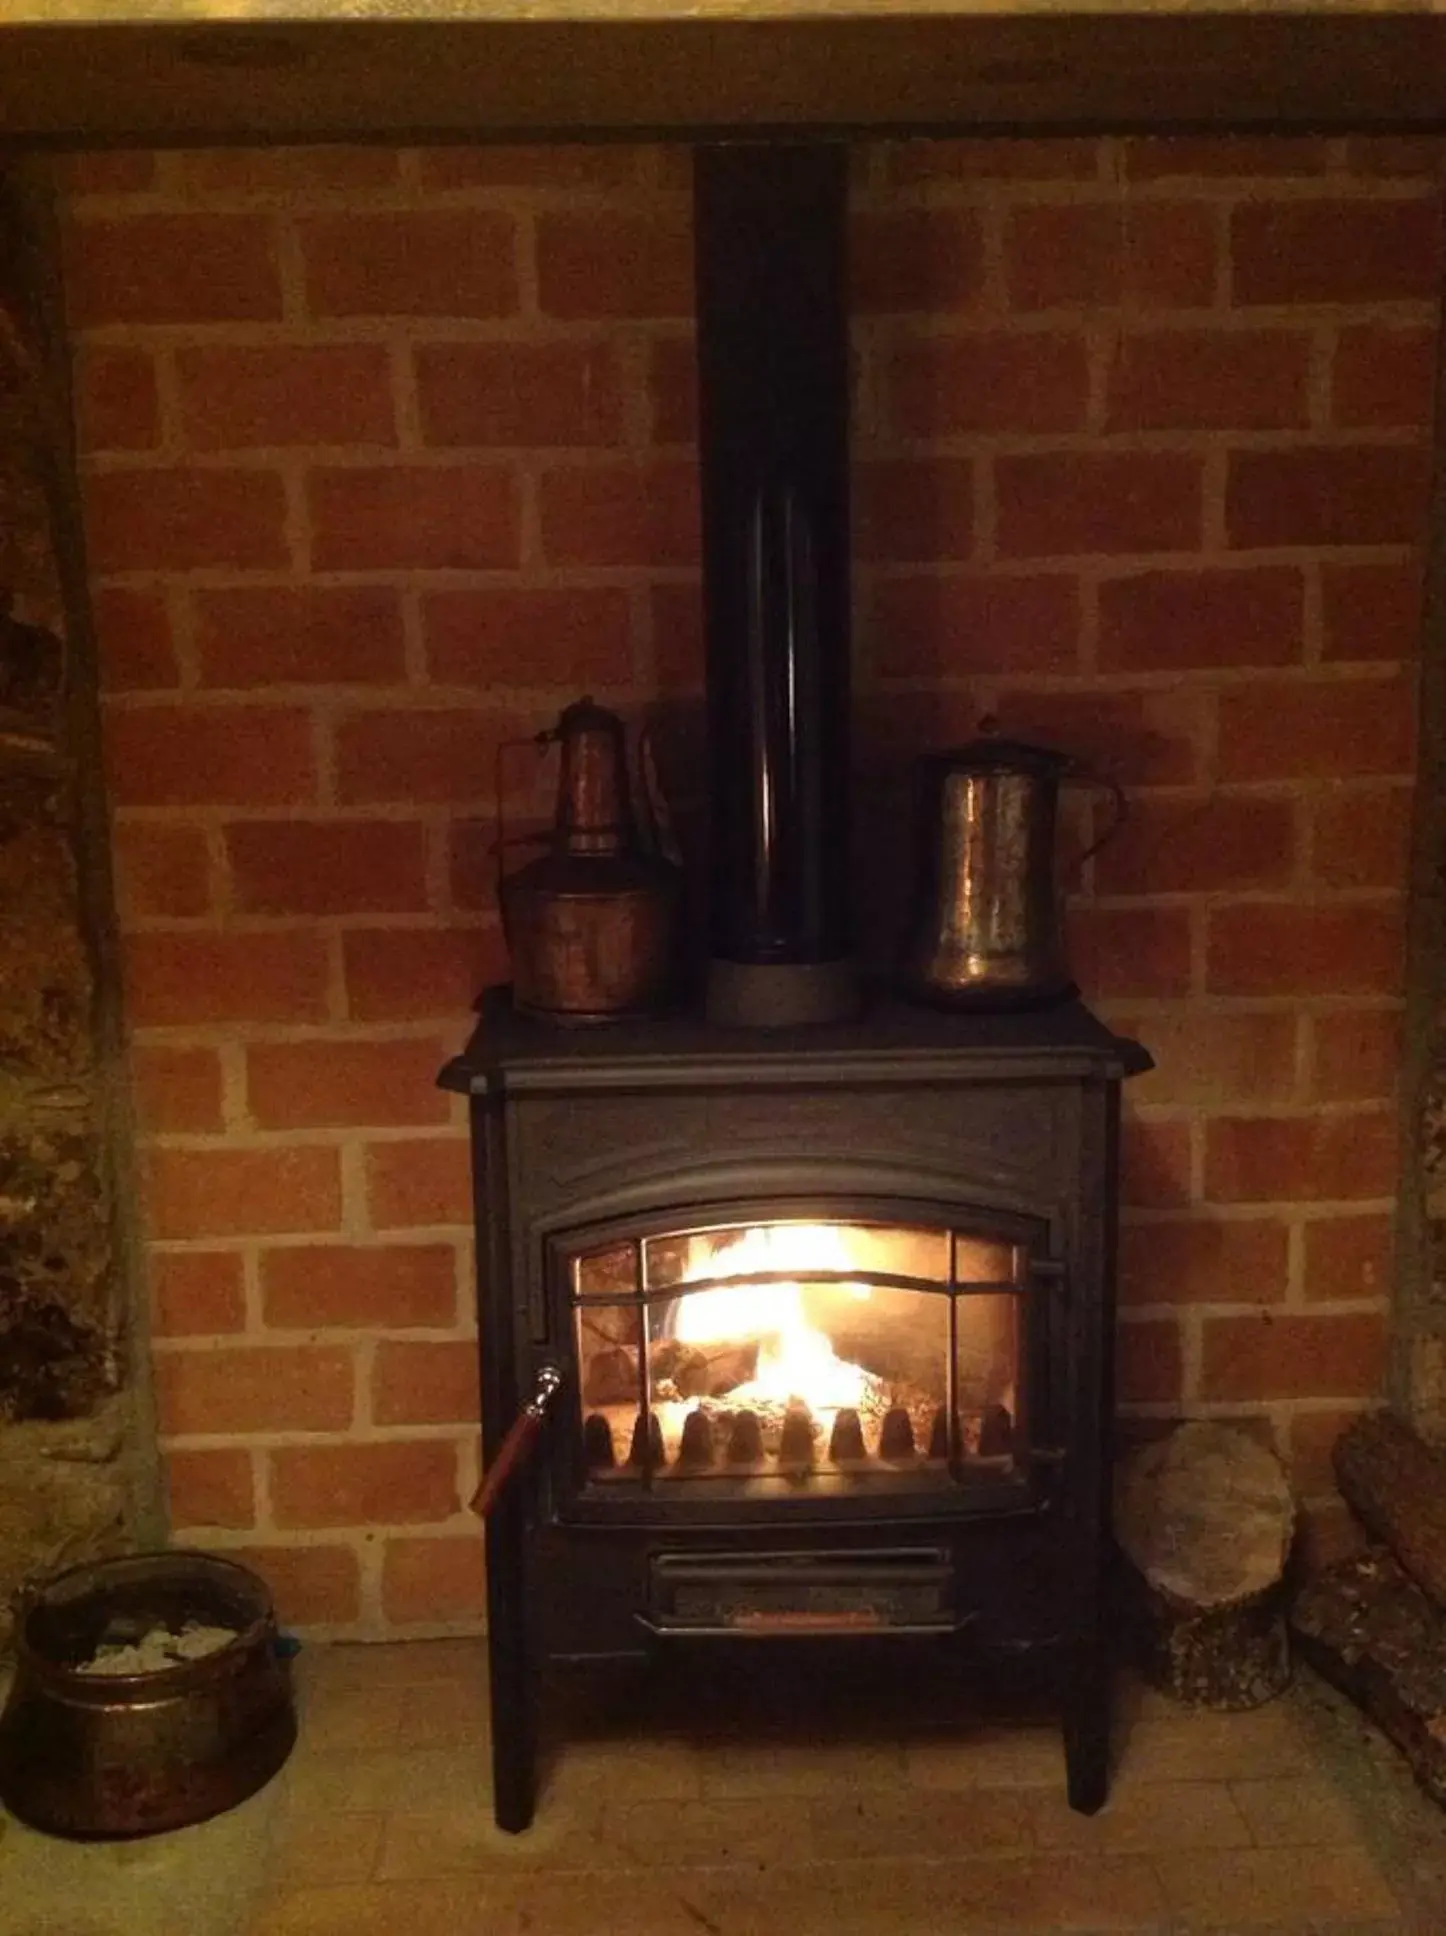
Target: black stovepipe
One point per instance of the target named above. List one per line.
(773, 366)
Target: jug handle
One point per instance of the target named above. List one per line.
(1086, 775)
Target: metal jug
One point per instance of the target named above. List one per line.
(590, 924)
(986, 931)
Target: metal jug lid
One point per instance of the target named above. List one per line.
(585, 715)
(990, 754)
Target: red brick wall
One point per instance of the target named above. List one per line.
(388, 454)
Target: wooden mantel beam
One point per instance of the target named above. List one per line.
(155, 72)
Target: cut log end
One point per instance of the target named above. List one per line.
(1205, 1515)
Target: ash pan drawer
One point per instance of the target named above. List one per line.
(906, 1590)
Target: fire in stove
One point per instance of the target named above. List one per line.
(792, 1350)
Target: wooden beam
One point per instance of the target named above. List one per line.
(570, 72)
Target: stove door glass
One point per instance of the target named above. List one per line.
(790, 1357)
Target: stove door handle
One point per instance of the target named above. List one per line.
(520, 1443)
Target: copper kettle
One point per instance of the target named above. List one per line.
(590, 925)
(986, 931)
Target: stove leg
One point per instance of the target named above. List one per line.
(1087, 1730)
(510, 1667)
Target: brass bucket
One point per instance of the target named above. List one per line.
(93, 1755)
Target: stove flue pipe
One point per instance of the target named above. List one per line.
(773, 367)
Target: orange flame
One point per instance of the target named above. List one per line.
(796, 1361)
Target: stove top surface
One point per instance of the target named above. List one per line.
(889, 1039)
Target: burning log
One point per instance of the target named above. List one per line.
(1396, 1484)
(796, 1447)
(846, 1441)
(647, 1447)
(696, 1448)
(745, 1441)
(1369, 1629)
(597, 1443)
(703, 1371)
(896, 1440)
(1205, 1519)
(939, 1435)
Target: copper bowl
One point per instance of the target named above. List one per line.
(116, 1755)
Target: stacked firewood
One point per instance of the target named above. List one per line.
(1375, 1624)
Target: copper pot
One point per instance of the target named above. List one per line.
(590, 925)
(118, 1755)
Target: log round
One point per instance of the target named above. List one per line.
(1204, 1519)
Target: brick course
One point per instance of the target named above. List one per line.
(185, 519)
(363, 1286)
(223, 1392)
(200, 1293)
(194, 978)
(211, 1488)
(133, 628)
(145, 269)
(255, 636)
(387, 457)
(116, 404)
(161, 870)
(176, 1089)
(409, 262)
(429, 1580)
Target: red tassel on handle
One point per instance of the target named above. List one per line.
(516, 1449)
(520, 1443)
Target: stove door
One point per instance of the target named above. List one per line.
(789, 1356)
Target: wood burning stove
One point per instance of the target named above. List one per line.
(832, 1312)
(817, 1302)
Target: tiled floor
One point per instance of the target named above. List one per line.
(725, 1816)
